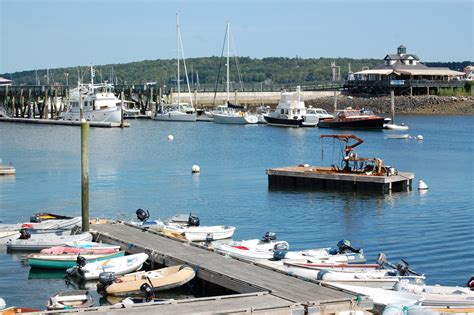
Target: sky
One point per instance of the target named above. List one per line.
(40, 34)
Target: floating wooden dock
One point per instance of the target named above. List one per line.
(63, 122)
(324, 178)
(251, 288)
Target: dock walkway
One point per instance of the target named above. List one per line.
(274, 290)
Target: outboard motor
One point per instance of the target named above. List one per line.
(381, 259)
(81, 262)
(470, 283)
(193, 220)
(279, 254)
(142, 215)
(402, 269)
(147, 291)
(106, 278)
(24, 234)
(343, 246)
(209, 239)
(269, 236)
(35, 218)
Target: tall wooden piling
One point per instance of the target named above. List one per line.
(121, 109)
(392, 104)
(84, 169)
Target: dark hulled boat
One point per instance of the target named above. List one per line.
(353, 119)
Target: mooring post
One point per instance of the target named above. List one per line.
(121, 109)
(335, 101)
(84, 169)
(392, 104)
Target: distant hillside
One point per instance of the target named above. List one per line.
(205, 70)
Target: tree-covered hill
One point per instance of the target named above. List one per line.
(205, 70)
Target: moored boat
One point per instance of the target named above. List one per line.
(70, 300)
(314, 115)
(119, 266)
(159, 280)
(253, 249)
(353, 119)
(289, 112)
(57, 250)
(37, 242)
(91, 245)
(64, 261)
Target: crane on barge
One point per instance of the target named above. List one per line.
(358, 165)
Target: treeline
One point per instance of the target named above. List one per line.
(208, 70)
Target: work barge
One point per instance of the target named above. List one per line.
(354, 174)
(244, 287)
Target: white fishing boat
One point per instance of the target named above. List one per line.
(439, 295)
(37, 242)
(99, 103)
(290, 111)
(344, 253)
(119, 266)
(159, 280)
(229, 113)
(314, 115)
(70, 300)
(178, 111)
(253, 249)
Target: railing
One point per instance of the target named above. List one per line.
(404, 83)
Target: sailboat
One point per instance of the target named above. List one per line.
(229, 113)
(178, 111)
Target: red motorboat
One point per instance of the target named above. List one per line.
(353, 119)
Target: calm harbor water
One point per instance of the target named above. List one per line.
(138, 167)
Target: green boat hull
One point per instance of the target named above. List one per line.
(65, 264)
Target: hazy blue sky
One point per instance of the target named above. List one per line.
(52, 33)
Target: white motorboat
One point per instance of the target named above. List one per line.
(344, 253)
(5, 236)
(98, 101)
(37, 242)
(201, 233)
(70, 300)
(314, 115)
(119, 266)
(44, 226)
(178, 111)
(253, 249)
(290, 111)
(395, 127)
(438, 295)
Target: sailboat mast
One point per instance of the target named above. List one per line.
(228, 52)
(177, 50)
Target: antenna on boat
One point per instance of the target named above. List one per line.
(228, 52)
(92, 75)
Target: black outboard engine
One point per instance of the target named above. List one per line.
(147, 291)
(24, 234)
(470, 283)
(269, 236)
(142, 215)
(344, 246)
(80, 262)
(35, 218)
(193, 220)
(106, 278)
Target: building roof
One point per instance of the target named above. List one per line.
(411, 71)
(400, 57)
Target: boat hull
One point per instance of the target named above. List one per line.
(65, 261)
(282, 122)
(235, 119)
(175, 116)
(100, 115)
(161, 279)
(38, 242)
(196, 234)
(375, 123)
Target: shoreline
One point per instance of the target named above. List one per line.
(406, 105)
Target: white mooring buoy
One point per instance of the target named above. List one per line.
(422, 185)
(419, 137)
(195, 169)
(170, 137)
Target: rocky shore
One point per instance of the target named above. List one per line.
(415, 105)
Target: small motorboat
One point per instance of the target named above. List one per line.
(45, 226)
(158, 280)
(5, 236)
(344, 253)
(91, 245)
(37, 242)
(397, 136)
(57, 250)
(353, 119)
(254, 249)
(119, 266)
(70, 300)
(395, 127)
(64, 261)
(202, 233)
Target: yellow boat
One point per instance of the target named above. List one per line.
(159, 280)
